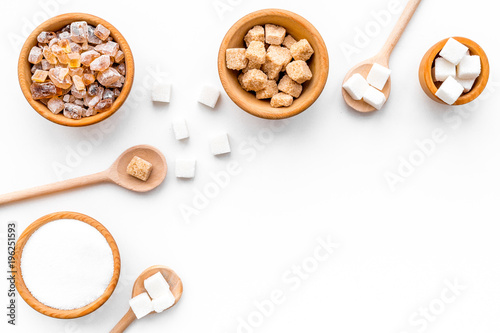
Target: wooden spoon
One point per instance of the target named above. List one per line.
(117, 174)
(382, 58)
(173, 280)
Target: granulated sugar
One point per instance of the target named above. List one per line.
(67, 264)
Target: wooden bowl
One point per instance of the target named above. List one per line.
(47, 310)
(56, 24)
(299, 28)
(428, 84)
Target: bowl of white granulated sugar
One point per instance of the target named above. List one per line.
(67, 265)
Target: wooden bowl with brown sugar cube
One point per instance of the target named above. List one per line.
(308, 75)
(76, 69)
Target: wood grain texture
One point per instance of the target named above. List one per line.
(382, 58)
(117, 174)
(49, 311)
(299, 28)
(425, 71)
(55, 24)
(173, 280)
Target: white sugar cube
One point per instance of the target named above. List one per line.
(378, 76)
(450, 91)
(164, 302)
(156, 285)
(469, 67)
(180, 129)
(453, 51)
(141, 305)
(443, 68)
(356, 86)
(467, 84)
(209, 96)
(374, 97)
(161, 92)
(185, 168)
(219, 144)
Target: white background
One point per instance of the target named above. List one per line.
(322, 176)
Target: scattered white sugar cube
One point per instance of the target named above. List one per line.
(164, 302)
(378, 76)
(161, 92)
(443, 69)
(185, 168)
(141, 305)
(450, 91)
(469, 67)
(467, 84)
(209, 96)
(356, 86)
(374, 97)
(156, 285)
(180, 129)
(453, 51)
(219, 144)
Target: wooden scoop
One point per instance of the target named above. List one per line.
(173, 280)
(382, 58)
(117, 174)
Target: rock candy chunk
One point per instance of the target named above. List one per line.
(93, 89)
(49, 56)
(79, 32)
(79, 94)
(92, 38)
(87, 57)
(73, 111)
(119, 56)
(255, 34)
(39, 76)
(100, 64)
(78, 82)
(76, 71)
(280, 100)
(45, 37)
(64, 44)
(89, 112)
(46, 65)
(55, 104)
(75, 48)
(74, 60)
(109, 48)
(35, 55)
(64, 35)
(108, 77)
(101, 32)
(104, 105)
(121, 68)
(43, 90)
(60, 77)
(108, 94)
(88, 78)
(36, 67)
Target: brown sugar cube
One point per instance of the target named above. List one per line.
(269, 90)
(275, 34)
(289, 41)
(251, 65)
(139, 168)
(281, 56)
(289, 86)
(271, 69)
(302, 50)
(281, 99)
(254, 80)
(236, 59)
(255, 34)
(299, 71)
(242, 83)
(256, 52)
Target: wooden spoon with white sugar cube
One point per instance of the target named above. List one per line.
(117, 174)
(382, 58)
(141, 294)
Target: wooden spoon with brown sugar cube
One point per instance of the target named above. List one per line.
(117, 174)
(382, 58)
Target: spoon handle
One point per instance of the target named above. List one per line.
(125, 322)
(55, 187)
(398, 30)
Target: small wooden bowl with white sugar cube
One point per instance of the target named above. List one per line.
(61, 103)
(454, 71)
(294, 97)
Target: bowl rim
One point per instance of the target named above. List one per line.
(481, 81)
(283, 112)
(45, 309)
(40, 107)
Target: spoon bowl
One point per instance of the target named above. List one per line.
(173, 280)
(364, 68)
